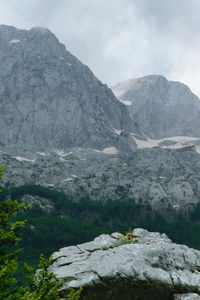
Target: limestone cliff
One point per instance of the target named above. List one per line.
(50, 100)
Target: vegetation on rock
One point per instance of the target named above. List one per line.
(127, 238)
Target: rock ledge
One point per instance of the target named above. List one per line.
(151, 268)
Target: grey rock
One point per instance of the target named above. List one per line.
(116, 235)
(50, 100)
(190, 296)
(34, 201)
(160, 108)
(161, 177)
(151, 268)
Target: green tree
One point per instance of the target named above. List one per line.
(9, 237)
(41, 286)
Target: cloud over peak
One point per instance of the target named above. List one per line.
(120, 39)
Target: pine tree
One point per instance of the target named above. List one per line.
(42, 285)
(9, 238)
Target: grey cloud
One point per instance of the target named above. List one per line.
(167, 12)
(180, 17)
(119, 39)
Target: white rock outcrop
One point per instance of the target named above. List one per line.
(151, 268)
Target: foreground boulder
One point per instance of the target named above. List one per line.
(150, 267)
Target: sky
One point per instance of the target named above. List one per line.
(120, 39)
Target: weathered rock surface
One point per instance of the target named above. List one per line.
(189, 296)
(50, 100)
(161, 177)
(160, 108)
(151, 268)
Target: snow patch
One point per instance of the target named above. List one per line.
(116, 131)
(128, 103)
(118, 93)
(14, 41)
(110, 150)
(71, 178)
(68, 179)
(19, 158)
(68, 153)
(75, 176)
(150, 143)
(43, 153)
(62, 153)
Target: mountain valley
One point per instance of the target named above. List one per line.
(89, 159)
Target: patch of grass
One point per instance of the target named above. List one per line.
(126, 239)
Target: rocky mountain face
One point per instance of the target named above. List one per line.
(161, 177)
(160, 108)
(151, 267)
(61, 127)
(50, 100)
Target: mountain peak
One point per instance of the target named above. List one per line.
(41, 30)
(8, 28)
(160, 108)
(49, 99)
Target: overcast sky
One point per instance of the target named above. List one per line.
(120, 39)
